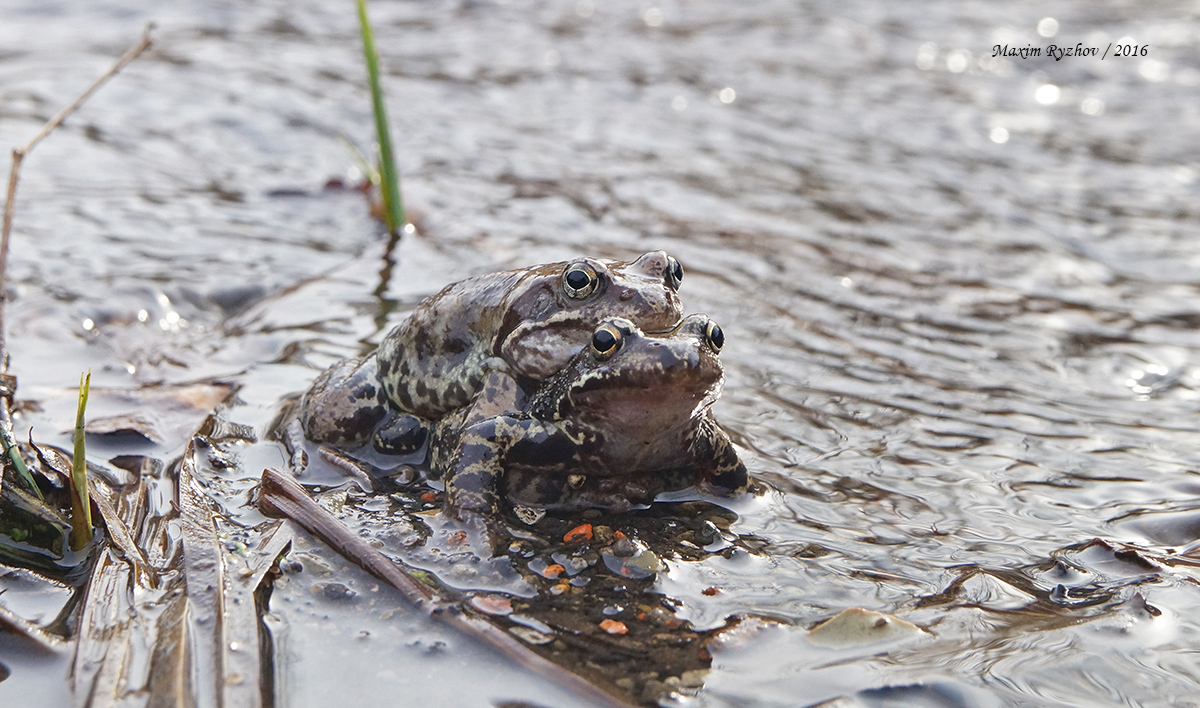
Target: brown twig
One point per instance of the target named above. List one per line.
(18, 155)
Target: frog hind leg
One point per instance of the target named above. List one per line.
(345, 403)
(724, 473)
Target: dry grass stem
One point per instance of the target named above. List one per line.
(19, 153)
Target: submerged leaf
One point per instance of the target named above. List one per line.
(133, 424)
(855, 627)
(164, 415)
(10, 449)
(32, 534)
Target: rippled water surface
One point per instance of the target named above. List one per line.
(960, 293)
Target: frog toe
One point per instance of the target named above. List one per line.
(729, 479)
(472, 491)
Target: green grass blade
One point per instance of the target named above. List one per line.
(14, 454)
(393, 208)
(81, 505)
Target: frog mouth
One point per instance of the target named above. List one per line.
(643, 411)
(691, 375)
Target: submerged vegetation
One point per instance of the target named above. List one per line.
(38, 526)
(18, 464)
(39, 532)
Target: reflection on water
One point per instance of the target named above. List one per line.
(960, 291)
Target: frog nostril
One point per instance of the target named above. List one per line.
(654, 263)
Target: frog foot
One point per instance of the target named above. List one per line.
(403, 434)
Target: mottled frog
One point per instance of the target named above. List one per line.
(629, 417)
(519, 324)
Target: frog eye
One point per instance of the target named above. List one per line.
(606, 341)
(715, 336)
(580, 280)
(674, 273)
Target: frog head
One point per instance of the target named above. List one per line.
(628, 380)
(552, 313)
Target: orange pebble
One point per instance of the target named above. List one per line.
(710, 591)
(429, 497)
(553, 571)
(489, 604)
(582, 532)
(613, 626)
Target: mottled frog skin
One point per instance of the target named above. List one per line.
(629, 417)
(524, 324)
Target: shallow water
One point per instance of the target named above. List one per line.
(960, 307)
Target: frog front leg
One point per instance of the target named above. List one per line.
(722, 471)
(499, 394)
(486, 448)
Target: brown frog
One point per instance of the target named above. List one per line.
(629, 417)
(518, 325)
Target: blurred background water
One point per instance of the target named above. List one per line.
(960, 292)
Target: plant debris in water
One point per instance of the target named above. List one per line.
(594, 611)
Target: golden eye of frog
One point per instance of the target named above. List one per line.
(627, 418)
